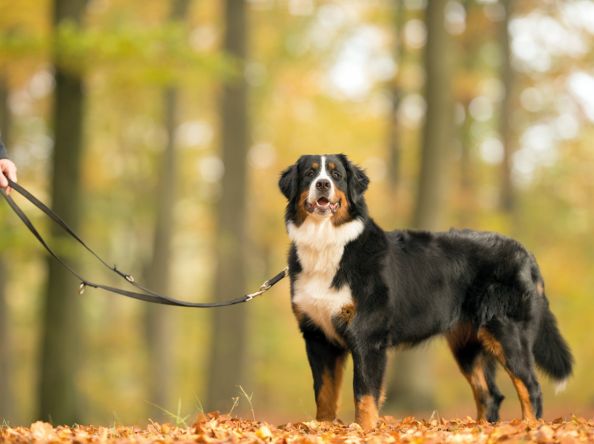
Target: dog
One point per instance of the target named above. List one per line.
(358, 289)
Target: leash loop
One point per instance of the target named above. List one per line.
(144, 294)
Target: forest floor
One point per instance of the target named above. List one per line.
(215, 428)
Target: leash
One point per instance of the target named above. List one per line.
(144, 294)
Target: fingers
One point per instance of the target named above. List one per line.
(12, 171)
(7, 169)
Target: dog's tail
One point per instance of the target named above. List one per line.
(551, 352)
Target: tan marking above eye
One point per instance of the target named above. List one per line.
(315, 165)
(331, 165)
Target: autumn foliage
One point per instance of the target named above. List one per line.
(215, 428)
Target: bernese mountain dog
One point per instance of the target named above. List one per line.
(358, 289)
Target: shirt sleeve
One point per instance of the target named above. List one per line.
(3, 153)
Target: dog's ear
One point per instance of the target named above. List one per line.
(356, 178)
(288, 182)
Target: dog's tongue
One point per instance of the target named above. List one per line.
(323, 201)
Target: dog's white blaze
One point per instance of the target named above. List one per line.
(322, 175)
(320, 246)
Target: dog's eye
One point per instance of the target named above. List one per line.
(310, 173)
(336, 175)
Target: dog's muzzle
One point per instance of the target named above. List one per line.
(321, 204)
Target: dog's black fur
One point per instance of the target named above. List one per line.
(482, 291)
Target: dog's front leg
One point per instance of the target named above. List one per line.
(369, 366)
(327, 363)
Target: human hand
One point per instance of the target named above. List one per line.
(7, 169)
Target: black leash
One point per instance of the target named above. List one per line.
(144, 294)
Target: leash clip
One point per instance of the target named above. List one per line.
(264, 287)
(126, 276)
(82, 287)
(267, 285)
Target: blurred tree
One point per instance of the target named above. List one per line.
(507, 199)
(436, 150)
(396, 94)
(229, 341)
(6, 395)
(412, 381)
(158, 321)
(60, 332)
(466, 177)
(467, 86)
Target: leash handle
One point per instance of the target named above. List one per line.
(144, 294)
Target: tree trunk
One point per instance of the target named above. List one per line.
(396, 93)
(228, 340)
(60, 347)
(466, 180)
(507, 198)
(6, 395)
(469, 62)
(437, 130)
(158, 322)
(412, 386)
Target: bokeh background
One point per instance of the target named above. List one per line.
(158, 129)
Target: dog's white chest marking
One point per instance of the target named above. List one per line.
(320, 246)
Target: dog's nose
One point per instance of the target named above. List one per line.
(323, 184)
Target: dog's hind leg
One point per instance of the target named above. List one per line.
(327, 364)
(513, 351)
(478, 368)
(490, 369)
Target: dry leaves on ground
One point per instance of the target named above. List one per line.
(215, 428)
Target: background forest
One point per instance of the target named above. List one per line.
(158, 129)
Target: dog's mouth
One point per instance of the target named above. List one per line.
(322, 205)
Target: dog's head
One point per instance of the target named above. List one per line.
(324, 186)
